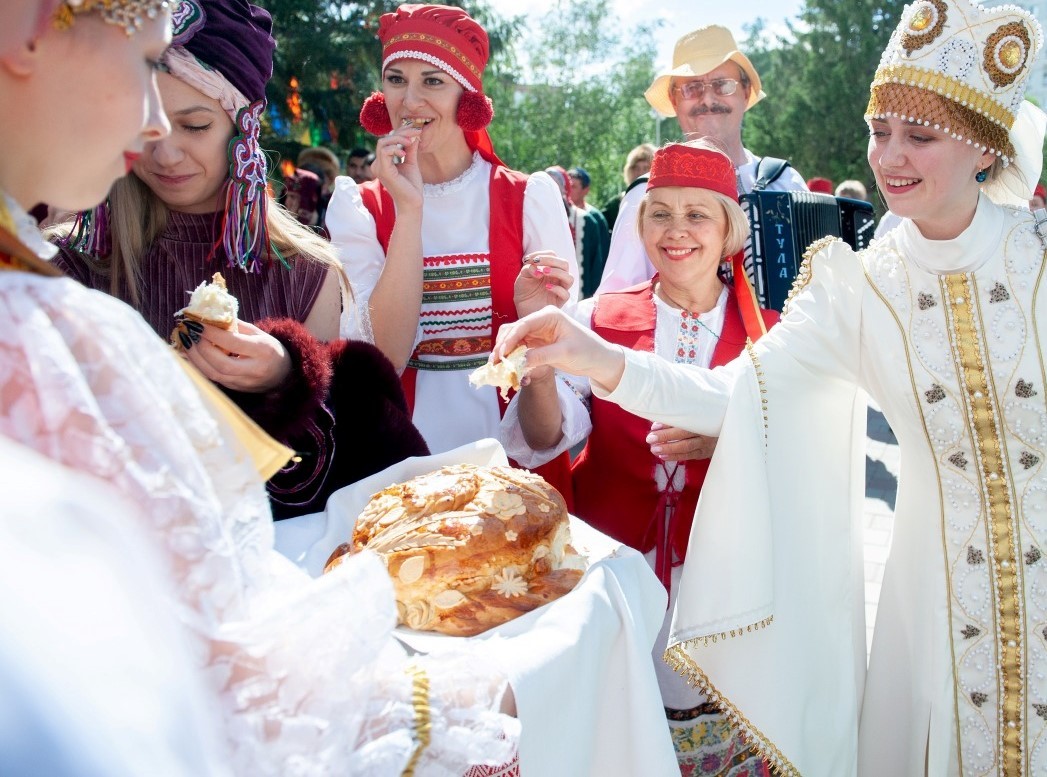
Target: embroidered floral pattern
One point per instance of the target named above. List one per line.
(925, 301)
(979, 698)
(1032, 555)
(1029, 460)
(999, 293)
(959, 460)
(970, 632)
(186, 18)
(1041, 710)
(975, 556)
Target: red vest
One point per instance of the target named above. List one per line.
(614, 477)
(505, 248)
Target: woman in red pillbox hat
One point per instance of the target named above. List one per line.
(448, 243)
(639, 482)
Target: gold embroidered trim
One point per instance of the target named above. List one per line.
(723, 636)
(422, 715)
(1006, 53)
(921, 30)
(960, 296)
(432, 40)
(947, 87)
(759, 379)
(803, 275)
(682, 663)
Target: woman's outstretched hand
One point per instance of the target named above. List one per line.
(557, 341)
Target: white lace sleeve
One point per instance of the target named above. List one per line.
(299, 665)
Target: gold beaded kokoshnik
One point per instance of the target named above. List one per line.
(129, 14)
(959, 67)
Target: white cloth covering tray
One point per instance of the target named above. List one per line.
(580, 667)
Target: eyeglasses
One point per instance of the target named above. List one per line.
(693, 90)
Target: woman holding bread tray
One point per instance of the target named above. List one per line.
(194, 216)
(634, 480)
(302, 675)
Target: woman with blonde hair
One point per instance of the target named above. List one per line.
(639, 482)
(196, 203)
(942, 322)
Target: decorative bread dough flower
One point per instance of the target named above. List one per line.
(544, 507)
(418, 616)
(509, 583)
(506, 505)
(511, 535)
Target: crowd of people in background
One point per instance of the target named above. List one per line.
(372, 283)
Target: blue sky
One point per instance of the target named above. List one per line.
(679, 16)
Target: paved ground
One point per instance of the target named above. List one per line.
(881, 482)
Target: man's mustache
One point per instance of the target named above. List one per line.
(702, 110)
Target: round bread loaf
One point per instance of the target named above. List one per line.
(469, 547)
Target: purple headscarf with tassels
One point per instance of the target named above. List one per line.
(223, 49)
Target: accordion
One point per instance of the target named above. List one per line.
(785, 223)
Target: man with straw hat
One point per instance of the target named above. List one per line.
(708, 89)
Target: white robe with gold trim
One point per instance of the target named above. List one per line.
(947, 337)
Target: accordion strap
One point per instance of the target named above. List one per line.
(768, 170)
(748, 306)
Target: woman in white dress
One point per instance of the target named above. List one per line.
(303, 674)
(942, 322)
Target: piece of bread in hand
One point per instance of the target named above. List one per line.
(505, 375)
(211, 303)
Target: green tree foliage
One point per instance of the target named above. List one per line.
(583, 103)
(817, 86)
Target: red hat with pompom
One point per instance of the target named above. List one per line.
(443, 36)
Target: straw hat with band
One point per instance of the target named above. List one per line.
(450, 39)
(696, 54)
(962, 69)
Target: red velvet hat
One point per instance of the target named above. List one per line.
(679, 164)
(443, 36)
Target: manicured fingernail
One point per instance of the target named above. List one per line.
(193, 326)
(550, 286)
(650, 439)
(656, 449)
(183, 338)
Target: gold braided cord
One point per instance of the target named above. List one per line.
(941, 112)
(982, 410)
(803, 275)
(680, 662)
(948, 87)
(423, 726)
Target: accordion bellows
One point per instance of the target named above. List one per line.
(469, 548)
